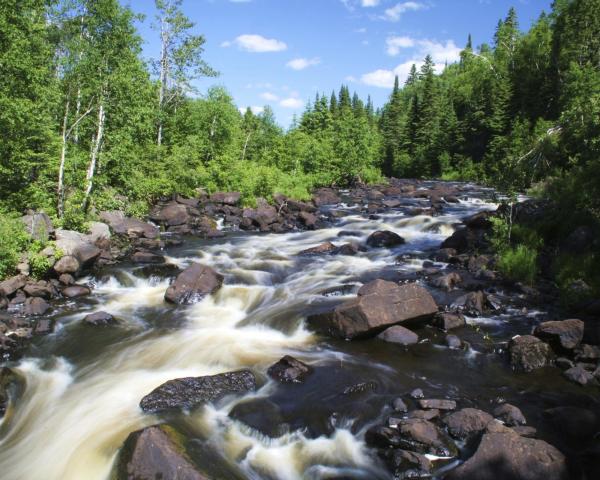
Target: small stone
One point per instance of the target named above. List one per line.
(467, 422)
(439, 404)
(100, 319)
(453, 341)
(579, 375)
(399, 406)
(510, 415)
(400, 335)
(289, 370)
(417, 393)
(449, 321)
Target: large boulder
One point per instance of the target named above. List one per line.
(171, 215)
(12, 284)
(384, 238)
(325, 196)
(190, 392)
(39, 226)
(289, 370)
(379, 304)
(422, 436)
(152, 453)
(132, 227)
(511, 457)
(528, 353)
(467, 422)
(77, 245)
(66, 264)
(561, 335)
(193, 284)
(226, 198)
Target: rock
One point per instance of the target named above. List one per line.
(12, 284)
(41, 289)
(382, 437)
(322, 249)
(98, 231)
(10, 382)
(587, 353)
(528, 353)
(478, 220)
(579, 240)
(226, 198)
(147, 257)
(100, 319)
(171, 215)
(422, 436)
(36, 306)
(473, 303)
(325, 196)
(453, 341)
(399, 334)
(38, 226)
(447, 282)
(575, 423)
(510, 415)
(512, 457)
(467, 422)
(359, 388)
(308, 219)
(66, 279)
(289, 370)
(580, 375)
(76, 245)
(347, 249)
(132, 227)
(155, 453)
(75, 291)
(525, 431)
(66, 264)
(449, 321)
(561, 335)
(405, 464)
(187, 393)
(424, 414)
(378, 305)
(193, 284)
(399, 406)
(417, 393)
(438, 404)
(384, 238)
(464, 240)
(262, 415)
(44, 326)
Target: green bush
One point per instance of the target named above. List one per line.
(13, 241)
(518, 264)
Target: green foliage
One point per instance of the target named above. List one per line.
(518, 264)
(13, 241)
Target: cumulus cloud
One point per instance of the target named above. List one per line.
(369, 3)
(379, 78)
(256, 44)
(255, 109)
(302, 63)
(395, 44)
(393, 14)
(269, 97)
(291, 102)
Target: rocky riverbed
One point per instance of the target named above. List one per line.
(362, 335)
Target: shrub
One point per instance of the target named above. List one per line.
(518, 264)
(13, 241)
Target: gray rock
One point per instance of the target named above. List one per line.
(400, 335)
(12, 284)
(510, 415)
(289, 370)
(561, 335)
(38, 226)
(528, 353)
(100, 319)
(399, 405)
(467, 422)
(35, 306)
(385, 239)
(66, 264)
(75, 291)
(580, 375)
(193, 284)
(438, 404)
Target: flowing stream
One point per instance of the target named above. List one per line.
(83, 385)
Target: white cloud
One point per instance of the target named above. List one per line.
(369, 3)
(269, 97)
(379, 78)
(255, 109)
(395, 44)
(351, 79)
(302, 63)
(291, 102)
(256, 44)
(394, 13)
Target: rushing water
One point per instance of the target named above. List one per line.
(84, 384)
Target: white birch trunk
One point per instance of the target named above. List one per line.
(94, 156)
(61, 167)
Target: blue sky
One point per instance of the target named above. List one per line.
(282, 52)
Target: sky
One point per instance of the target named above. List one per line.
(282, 52)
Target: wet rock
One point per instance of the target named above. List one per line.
(446, 282)
(392, 203)
(465, 240)
(510, 415)
(467, 422)
(226, 198)
(578, 374)
(473, 303)
(66, 264)
(44, 326)
(385, 239)
(172, 215)
(289, 370)
(155, 453)
(187, 393)
(511, 457)
(349, 233)
(100, 319)
(422, 436)
(381, 436)
(75, 291)
(453, 341)
(38, 226)
(262, 415)
(322, 249)
(446, 255)
(347, 249)
(399, 405)
(564, 363)
(575, 423)
(424, 414)
(449, 321)
(587, 353)
(193, 284)
(10, 381)
(378, 305)
(147, 257)
(400, 335)
(12, 284)
(417, 393)
(525, 431)
(479, 220)
(325, 196)
(36, 306)
(561, 335)
(528, 353)
(361, 387)
(406, 464)
(438, 404)
(309, 220)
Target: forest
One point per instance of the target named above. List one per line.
(88, 124)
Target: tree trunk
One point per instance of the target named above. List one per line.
(96, 145)
(164, 76)
(61, 167)
(246, 145)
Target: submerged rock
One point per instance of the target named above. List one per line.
(193, 284)
(289, 370)
(509, 456)
(100, 319)
(379, 304)
(187, 393)
(384, 238)
(155, 453)
(262, 415)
